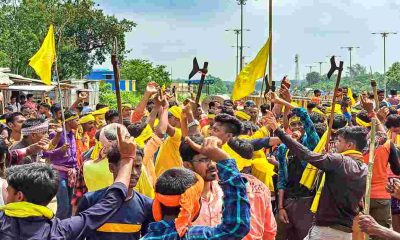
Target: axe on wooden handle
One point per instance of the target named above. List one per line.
(334, 67)
(203, 72)
(115, 64)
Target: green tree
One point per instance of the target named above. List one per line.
(144, 72)
(84, 34)
(393, 76)
(218, 87)
(357, 70)
(108, 97)
(313, 77)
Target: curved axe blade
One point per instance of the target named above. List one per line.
(195, 69)
(333, 67)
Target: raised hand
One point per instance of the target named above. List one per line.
(126, 145)
(272, 97)
(285, 94)
(271, 121)
(383, 113)
(152, 88)
(369, 225)
(210, 148)
(367, 104)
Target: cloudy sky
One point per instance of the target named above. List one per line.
(172, 32)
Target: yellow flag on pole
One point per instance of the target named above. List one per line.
(43, 60)
(245, 82)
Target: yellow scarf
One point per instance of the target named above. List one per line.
(26, 209)
(144, 135)
(314, 205)
(310, 173)
(96, 151)
(350, 95)
(396, 139)
(362, 123)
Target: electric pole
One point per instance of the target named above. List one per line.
(320, 67)
(241, 3)
(297, 73)
(384, 36)
(350, 50)
(310, 67)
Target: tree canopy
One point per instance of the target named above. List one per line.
(84, 34)
(144, 72)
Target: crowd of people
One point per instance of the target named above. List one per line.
(173, 170)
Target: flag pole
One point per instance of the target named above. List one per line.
(269, 78)
(60, 99)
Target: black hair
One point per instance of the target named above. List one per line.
(45, 105)
(311, 105)
(242, 147)
(150, 105)
(393, 121)
(339, 121)
(211, 104)
(363, 115)
(254, 127)
(380, 91)
(392, 111)
(317, 117)
(356, 135)
(85, 103)
(228, 103)
(37, 181)
(9, 108)
(393, 92)
(32, 122)
(29, 96)
(264, 107)
(55, 108)
(114, 156)
(317, 91)
(230, 123)
(69, 113)
(97, 135)
(110, 114)
(10, 118)
(227, 111)
(187, 153)
(246, 127)
(136, 129)
(126, 122)
(175, 181)
(320, 128)
(100, 106)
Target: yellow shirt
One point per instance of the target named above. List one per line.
(97, 175)
(168, 156)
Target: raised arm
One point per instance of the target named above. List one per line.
(161, 128)
(97, 215)
(138, 113)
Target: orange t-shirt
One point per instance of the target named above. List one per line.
(380, 171)
(316, 100)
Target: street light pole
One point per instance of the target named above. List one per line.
(384, 36)
(237, 32)
(350, 50)
(320, 67)
(241, 3)
(310, 66)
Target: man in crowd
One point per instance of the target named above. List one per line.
(63, 159)
(16, 106)
(132, 218)
(30, 103)
(14, 121)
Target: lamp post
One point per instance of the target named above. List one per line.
(384, 36)
(241, 3)
(320, 67)
(237, 32)
(350, 50)
(310, 67)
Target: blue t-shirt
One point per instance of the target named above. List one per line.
(130, 222)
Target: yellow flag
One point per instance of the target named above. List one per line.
(245, 82)
(43, 60)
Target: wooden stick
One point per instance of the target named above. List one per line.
(333, 106)
(61, 103)
(114, 62)
(370, 167)
(375, 91)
